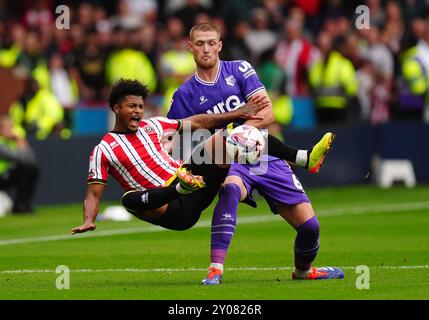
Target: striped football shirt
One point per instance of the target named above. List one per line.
(137, 160)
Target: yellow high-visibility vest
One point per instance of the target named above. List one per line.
(5, 165)
(42, 76)
(131, 64)
(415, 76)
(9, 57)
(180, 62)
(413, 85)
(333, 82)
(43, 110)
(16, 114)
(282, 109)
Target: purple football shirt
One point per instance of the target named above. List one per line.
(236, 81)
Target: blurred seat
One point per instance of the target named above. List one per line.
(389, 171)
(303, 113)
(90, 120)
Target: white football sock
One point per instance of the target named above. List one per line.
(301, 274)
(301, 158)
(217, 266)
(182, 190)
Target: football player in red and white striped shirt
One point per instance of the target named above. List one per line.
(134, 155)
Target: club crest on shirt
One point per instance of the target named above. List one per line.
(230, 80)
(149, 129)
(203, 99)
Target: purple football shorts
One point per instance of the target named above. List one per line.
(277, 183)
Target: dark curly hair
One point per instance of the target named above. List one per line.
(126, 87)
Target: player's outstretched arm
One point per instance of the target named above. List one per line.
(265, 113)
(209, 121)
(90, 207)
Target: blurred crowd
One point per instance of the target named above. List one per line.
(301, 49)
(344, 62)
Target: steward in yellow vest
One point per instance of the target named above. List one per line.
(18, 167)
(176, 66)
(128, 63)
(413, 85)
(333, 83)
(47, 79)
(9, 56)
(37, 112)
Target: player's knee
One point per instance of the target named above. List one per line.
(310, 227)
(231, 189)
(129, 200)
(125, 201)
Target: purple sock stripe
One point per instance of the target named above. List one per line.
(223, 225)
(224, 228)
(223, 232)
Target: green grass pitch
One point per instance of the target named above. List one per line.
(385, 230)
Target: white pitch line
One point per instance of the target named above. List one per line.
(399, 207)
(102, 233)
(196, 269)
(105, 233)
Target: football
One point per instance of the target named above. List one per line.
(245, 144)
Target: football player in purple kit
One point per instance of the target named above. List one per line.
(220, 86)
(286, 197)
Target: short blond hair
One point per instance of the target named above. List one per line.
(203, 27)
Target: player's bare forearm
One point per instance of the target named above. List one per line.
(90, 208)
(266, 118)
(209, 121)
(265, 114)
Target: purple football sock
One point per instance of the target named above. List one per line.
(224, 221)
(306, 244)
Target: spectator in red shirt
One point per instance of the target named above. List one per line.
(294, 55)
